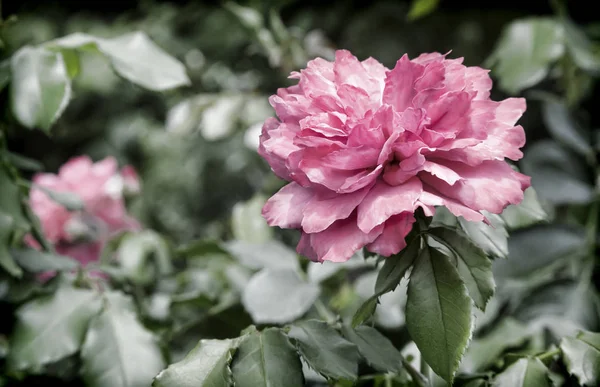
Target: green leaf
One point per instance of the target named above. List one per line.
(492, 239)
(6, 260)
(563, 127)
(267, 358)
(52, 327)
(421, 8)
(537, 247)
(526, 213)
(71, 59)
(526, 372)
(143, 255)
(365, 311)
(271, 254)
(206, 365)
(36, 261)
(582, 357)
(69, 200)
(23, 162)
(118, 351)
(325, 350)
(278, 296)
(247, 222)
(375, 348)
(525, 51)
(486, 350)
(4, 74)
(10, 201)
(134, 57)
(473, 265)
(40, 88)
(585, 53)
(556, 174)
(395, 267)
(438, 312)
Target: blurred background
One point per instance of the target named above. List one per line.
(194, 147)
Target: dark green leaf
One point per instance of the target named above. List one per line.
(395, 267)
(267, 358)
(421, 8)
(4, 74)
(6, 260)
(52, 327)
(525, 51)
(556, 174)
(438, 312)
(492, 239)
(23, 162)
(474, 267)
(365, 311)
(40, 87)
(206, 365)
(325, 350)
(526, 213)
(10, 200)
(38, 261)
(375, 348)
(537, 247)
(69, 200)
(486, 350)
(526, 372)
(134, 57)
(563, 127)
(118, 351)
(278, 296)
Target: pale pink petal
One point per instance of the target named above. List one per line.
(392, 239)
(284, 209)
(399, 84)
(384, 201)
(432, 198)
(441, 171)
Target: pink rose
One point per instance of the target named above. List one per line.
(364, 146)
(82, 234)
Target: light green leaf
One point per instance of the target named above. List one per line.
(272, 254)
(438, 312)
(134, 57)
(52, 327)
(563, 127)
(484, 351)
(143, 255)
(325, 350)
(40, 88)
(36, 261)
(525, 51)
(492, 239)
(247, 222)
(537, 247)
(278, 296)
(526, 372)
(365, 311)
(69, 200)
(118, 350)
(267, 358)
(582, 357)
(474, 267)
(207, 365)
(556, 174)
(421, 8)
(526, 213)
(585, 53)
(6, 260)
(395, 267)
(375, 348)
(10, 201)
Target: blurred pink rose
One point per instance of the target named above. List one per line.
(82, 234)
(364, 146)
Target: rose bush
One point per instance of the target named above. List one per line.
(364, 146)
(101, 187)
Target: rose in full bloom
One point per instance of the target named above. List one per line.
(364, 147)
(101, 186)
